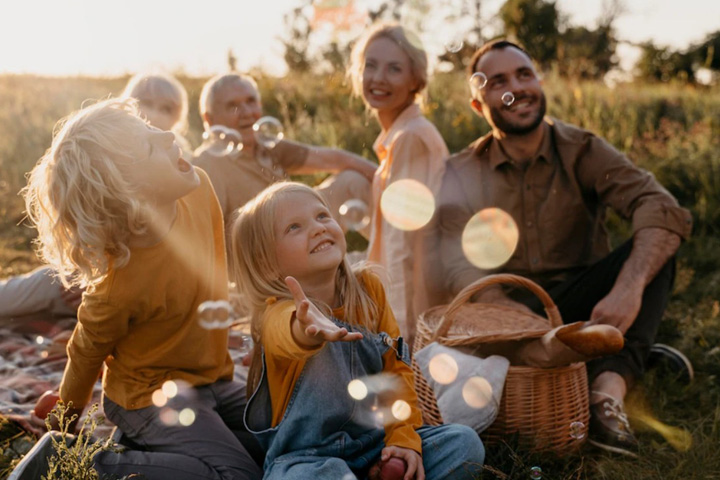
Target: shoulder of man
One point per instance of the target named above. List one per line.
(566, 134)
(459, 159)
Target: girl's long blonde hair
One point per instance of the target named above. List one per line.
(255, 268)
(83, 209)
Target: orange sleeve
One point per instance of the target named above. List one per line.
(399, 433)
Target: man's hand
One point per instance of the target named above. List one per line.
(652, 248)
(312, 327)
(618, 308)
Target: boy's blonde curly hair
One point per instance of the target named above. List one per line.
(83, 209)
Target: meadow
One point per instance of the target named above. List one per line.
(671, 129)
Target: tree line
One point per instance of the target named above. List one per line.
(572, 51)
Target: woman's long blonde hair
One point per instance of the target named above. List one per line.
(408, 42)
(255, 268)
(83, 209)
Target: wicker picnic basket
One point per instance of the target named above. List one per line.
(546, 409)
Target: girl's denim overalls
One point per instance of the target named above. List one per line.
(326, 434)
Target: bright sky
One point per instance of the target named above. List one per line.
(97, 37)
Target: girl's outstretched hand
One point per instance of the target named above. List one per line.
(312, 326)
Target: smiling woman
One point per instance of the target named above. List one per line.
(389, 70)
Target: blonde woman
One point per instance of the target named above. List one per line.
(389, 71)
(163, 101)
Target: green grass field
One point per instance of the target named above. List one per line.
(670, 129)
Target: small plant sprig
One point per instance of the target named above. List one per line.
(73, 457)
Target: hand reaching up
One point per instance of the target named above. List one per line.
(312, 326)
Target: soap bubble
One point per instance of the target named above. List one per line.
(477, 392)
(357, 389)
(354, 214)
(268, 131)
(222, 140)
(401, 410)
(159, 399)
(186, 417)
(407, 204)
(454, 46)
(478, 80)
(170, 389)
(508, 98)
(443, 368)
(536, 473)
(215, 315)
(490, 238)
(169, 416)
(577, 430)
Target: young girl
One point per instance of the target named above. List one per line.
(389, 71)
(320, 327)
(122, 214)
(163, 102)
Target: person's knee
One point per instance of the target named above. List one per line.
(473, 446)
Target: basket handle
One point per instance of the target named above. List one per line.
(461, 298)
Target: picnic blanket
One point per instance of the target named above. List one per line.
(33, 358)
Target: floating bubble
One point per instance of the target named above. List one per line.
(268, 131)
(170, 389)
(159, 399)
(214, 315)
(357, 389)
(354, 214)
(577, 430)
(222, 140)
(477, 392)
(407, 204)
(454, 46)
(535, 473)
(508, 98)
(169, 416)
(443, 368)
(490, 238)
(401, 410)
(186, 417)
(241, 342)
(478, 80)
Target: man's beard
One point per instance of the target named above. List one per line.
(511, 128)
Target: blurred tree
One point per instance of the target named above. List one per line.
(231, 60)
(708, 52)
(587, 54)
(535, 24)
(470, 13)
(661, 64)
(590, 54)
(297, 43)
(388, 10)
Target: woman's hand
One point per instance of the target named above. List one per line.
(312, 327)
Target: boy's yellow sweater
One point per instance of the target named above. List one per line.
(142, 319)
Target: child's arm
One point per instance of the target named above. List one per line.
(309, 326)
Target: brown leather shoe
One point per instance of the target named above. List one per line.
(609, 427)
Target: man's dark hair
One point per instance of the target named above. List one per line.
(498, 44)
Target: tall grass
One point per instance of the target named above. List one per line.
(671, 130)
